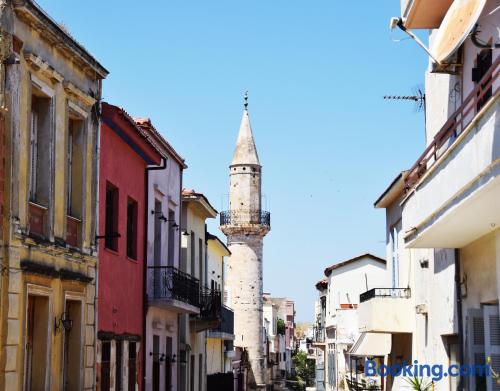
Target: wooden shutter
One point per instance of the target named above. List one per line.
(70, 170)
(492, 342)
(475, 341)
(33, 154)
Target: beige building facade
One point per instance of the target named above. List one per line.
(50, 89)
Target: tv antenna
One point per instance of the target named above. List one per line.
(418, 97)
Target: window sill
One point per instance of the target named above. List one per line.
(111, 251)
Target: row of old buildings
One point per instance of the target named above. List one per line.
(109, 277)
(434, 297)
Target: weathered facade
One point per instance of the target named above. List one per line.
(49, 91)
(245, 225)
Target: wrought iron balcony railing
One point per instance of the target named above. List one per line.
(168, 282)
(243, 217)
(210, 304)
(486, 89)
(226, 324)
(403, 293)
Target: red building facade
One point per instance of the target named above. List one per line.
(125, 152)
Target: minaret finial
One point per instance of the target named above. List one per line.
(246, 101)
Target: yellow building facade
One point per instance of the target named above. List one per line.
(49, 96)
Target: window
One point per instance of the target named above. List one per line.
(105, 365)
(483, 64)
(200, 257)
(119, 366)
(40, 148)
(171, 236)
(132, 366)
(131, 228)
(111, 222)
(75, 154)
(157, 238)
(193, 255)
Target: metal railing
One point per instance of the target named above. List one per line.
(226, 324)
(456, 123)
(210, 303)
(318, 334)
(403, 293)
(243, 217)
(168, 282)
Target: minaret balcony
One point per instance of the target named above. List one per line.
(246, 218)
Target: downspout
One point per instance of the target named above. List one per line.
(96, 230)
(145, 263)
(180, 318)
(458, 289)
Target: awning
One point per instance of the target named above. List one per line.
(372, 344)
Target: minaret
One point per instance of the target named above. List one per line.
(245, 225)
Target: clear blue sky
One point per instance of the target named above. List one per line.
(316, 72)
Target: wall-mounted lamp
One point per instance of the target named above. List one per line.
(63, 323)
(185, 233)
(160, 215)
(158, 356)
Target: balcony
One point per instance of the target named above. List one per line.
(386, 310)
(244, 218)
(225, 329)
(424, 14)
(450, 189)
(210, 310)
(169, 288)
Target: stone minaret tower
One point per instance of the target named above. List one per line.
(245, 225)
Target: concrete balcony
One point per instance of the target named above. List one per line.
(451, 189)
(386, 310)
(424, 14)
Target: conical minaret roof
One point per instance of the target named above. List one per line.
(245, 151)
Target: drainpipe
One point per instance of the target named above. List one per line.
(458, 289)
(145, 263)
(94, 243)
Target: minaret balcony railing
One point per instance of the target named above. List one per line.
(245, 217)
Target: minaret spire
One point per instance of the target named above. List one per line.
(245, 151)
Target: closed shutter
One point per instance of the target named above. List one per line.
(492, 342)
(475, 344)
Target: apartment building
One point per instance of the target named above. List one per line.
(193, 327)
(49, 122)
(442, 215)
(336, 334)
(169, 292)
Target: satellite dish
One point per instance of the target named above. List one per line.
(455, 27)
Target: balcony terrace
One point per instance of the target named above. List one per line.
(169, 288)
(387, 310)
(450, 189)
